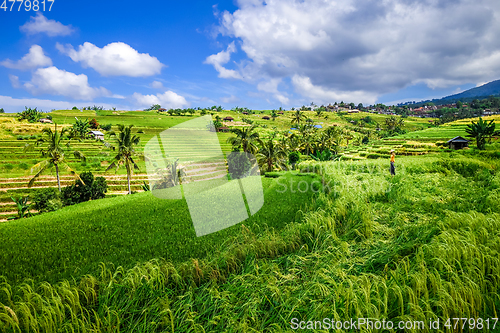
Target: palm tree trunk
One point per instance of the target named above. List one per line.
(58, 180)
(128, 179)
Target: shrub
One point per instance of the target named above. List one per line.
(94, 124)
(293, 158)
(32, 115)
(106, 127)
(8, 166)
(23, 166)
(374, 156)
(90, 189)
(140, 131)
(47, 200)
(74, 108)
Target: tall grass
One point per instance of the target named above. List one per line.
(422, 245)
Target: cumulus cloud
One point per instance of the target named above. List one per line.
(157, 85)
(230, 99)
(40, 24)
(362, 48)
(35, 58)
(114, 59)
(221, 58)
(14, 80)
(168, 100)
(54, 81)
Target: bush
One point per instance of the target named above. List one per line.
(46, 200)
(23, 166)
(90, 189)
(293, 158)
(94, 124)
(374, 156)
(140, 131)
(8, 166)
(106, 127)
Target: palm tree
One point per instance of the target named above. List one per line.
(125, 141)
(481, 131)
(270, 155)
(246, 138)
(55, 154)
(297, 116)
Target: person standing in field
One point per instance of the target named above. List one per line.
(393, 159)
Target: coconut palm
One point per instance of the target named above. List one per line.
(297, 116)
(54, 153)
(125, 141)
(270, 155)
(246, 138)
(481, 131)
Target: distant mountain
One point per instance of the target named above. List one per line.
(486, 90)
(481, 92)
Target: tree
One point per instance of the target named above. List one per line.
(54, 154)
(246, 138)
(297, 116)
(274, 114)
(80, 129)
(270, 154)
(482, 131)
(2, 110)
(84, 189)
(126, 142)
(94, 124)
(32, 115)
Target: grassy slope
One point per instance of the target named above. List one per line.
(124, 231)
(422, 245)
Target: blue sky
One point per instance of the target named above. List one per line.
(249, 53)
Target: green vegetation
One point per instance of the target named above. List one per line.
(126, 142)
(482, 131)
(54, 153)
(339, 239)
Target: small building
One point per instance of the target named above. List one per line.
(280, 112)
(223, 129)
(228, 118)
(162, 109)
(458, 143)
(98, 135)
(45, 121)
(266, 118)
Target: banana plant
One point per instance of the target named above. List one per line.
(23, 208)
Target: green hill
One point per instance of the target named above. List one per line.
(125, 230)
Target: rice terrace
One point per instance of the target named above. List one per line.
(337, 237)
(246, 166)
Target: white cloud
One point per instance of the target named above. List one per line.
(221, 58)
(230, 99)
(362, 48)
(114, 59)
(40, 24)
(157, 85)
(54, 81)
(14, 80)
(323, 95)
(35, 58)
(271, 86)
(168, 100)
